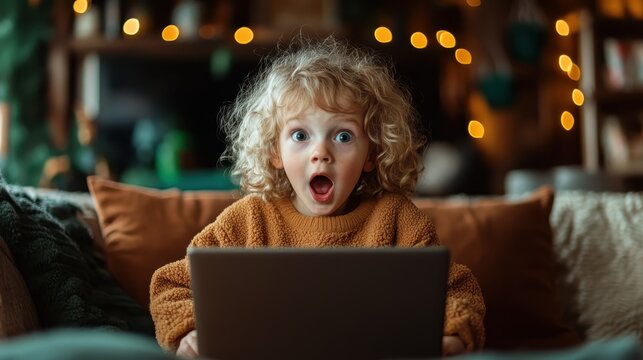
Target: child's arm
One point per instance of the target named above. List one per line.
(171, 296)
(465, 308)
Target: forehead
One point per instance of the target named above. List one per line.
(297, 103)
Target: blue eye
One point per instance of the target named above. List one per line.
(299, 135)
(343, 137)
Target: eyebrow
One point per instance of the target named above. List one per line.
(354, 118)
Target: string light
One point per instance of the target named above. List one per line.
(131, 26)
(445, 38)
(562, 27)
(567, 120)
(565, 63)
(463, 56)
(170, 33)
(476, 129)
(81, 6)
(574, 72)
(243, 35)
(578, 97)
(419, 40)
(383, 34)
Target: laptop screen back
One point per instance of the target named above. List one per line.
(340, 303)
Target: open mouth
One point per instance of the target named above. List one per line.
(321, 187)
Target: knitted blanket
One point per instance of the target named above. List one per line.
(66, 277)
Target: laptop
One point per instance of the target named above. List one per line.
(322, 303)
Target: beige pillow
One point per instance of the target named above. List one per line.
(17, 312)
(599, 239)
(144, 229)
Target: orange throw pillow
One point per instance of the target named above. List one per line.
(144, 229)
(508, 246)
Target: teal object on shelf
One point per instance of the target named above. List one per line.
(498, 89)
(169, 154)
(201, 180)
(207, 179)
(527, 41)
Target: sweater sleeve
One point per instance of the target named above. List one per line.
(171, 295)
(465, 308)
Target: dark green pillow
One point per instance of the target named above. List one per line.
(64, 273)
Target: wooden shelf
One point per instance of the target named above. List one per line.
(619, 28)
(156, 48)
(620, 100)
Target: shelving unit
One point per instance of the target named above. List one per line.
(144, 69)
(602, 101)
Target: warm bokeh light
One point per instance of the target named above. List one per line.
(383, 34)
(131, 26)
(419, 40)
(612, 8)
(567, 120)
(474, 3)
(445, 38)
(463, 56)
(562, 28)
(578, 97)
(243, 35)
(635, 8)
(438, 33)
(476, 129)
(565, 62)
(81, 6)
(574, 72)
(170, 33)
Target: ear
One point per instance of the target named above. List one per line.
(275, 160)
(369, 164)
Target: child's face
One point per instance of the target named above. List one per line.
(323, 155)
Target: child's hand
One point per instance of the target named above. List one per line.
(187, 346)
(452, 345)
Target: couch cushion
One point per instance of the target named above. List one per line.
(599, 239)
(144, 229)
(17, 312)
(508, 246)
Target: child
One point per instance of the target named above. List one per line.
(324, 142)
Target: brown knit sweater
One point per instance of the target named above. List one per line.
(392, 220)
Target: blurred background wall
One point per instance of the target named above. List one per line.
(132, 89)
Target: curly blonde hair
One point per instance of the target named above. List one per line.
(321, 73)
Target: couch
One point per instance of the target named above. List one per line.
(556, 268)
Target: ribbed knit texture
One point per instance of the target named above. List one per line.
(64, 273)
(392, 220)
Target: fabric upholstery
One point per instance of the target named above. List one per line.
(64, 273)
(603, 262)
(144, 229)
(508, 246)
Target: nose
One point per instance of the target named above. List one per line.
(321, 154)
